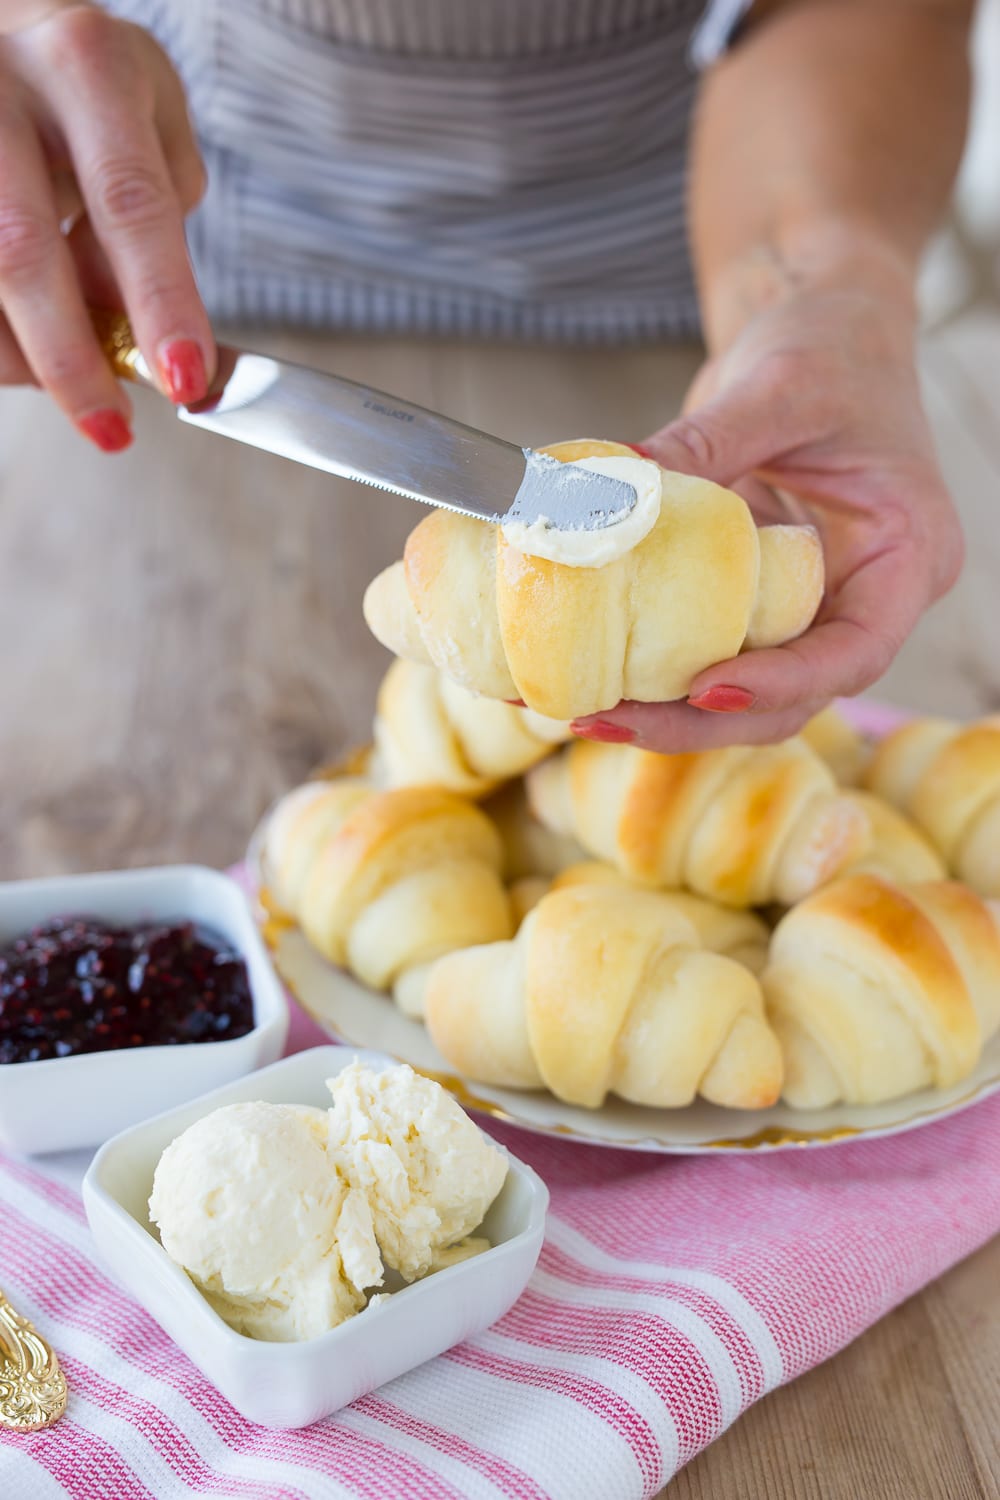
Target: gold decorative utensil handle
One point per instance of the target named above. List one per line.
(32, 1385)
(121, 351)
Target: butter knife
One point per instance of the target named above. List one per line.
(363, 434)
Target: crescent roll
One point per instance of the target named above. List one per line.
(946, 776)
(605, 990)
(835, 740)
(384, 882)
(701, 585)
(529, 847)
(876, 990)
(898, 850)
(743, 826)
(737, 934)
(429, 731)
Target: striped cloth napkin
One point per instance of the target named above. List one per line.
(671, 1293)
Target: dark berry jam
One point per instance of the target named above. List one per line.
(79, 985)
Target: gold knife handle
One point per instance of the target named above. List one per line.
(127, 362)
(114, 333)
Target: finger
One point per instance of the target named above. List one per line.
(180, 144)
(106, 112)
(93, 267)
(860, 632)
(69, 203)
(14, 368)
(670, 728)
(735, 432)
(722, 440)
(41, 296)
(704, 385)
(770, 506)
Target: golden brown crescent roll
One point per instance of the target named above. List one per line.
(898, 850)
(946, 776)
(298, 827)
(524, 895)
(529, 848)
(383, 882)
(431, 732)
(571, 640)
(876, 990)
(605, 990)
(836, 741)
(743, 826)
(740, 935)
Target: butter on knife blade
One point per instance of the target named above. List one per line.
(359, 433)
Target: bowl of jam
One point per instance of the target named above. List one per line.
(125, 994)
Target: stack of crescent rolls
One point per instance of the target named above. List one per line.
(817, 920)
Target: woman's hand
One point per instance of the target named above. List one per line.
(94, 133)
(813, 412)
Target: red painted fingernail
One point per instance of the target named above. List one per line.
(724, 700)
(640, 448)
(182, 367)
(108, 430)
(608, 734)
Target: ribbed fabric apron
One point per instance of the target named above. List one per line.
(497, 168)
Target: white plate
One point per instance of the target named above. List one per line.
(350, 1012)
(291, 1385)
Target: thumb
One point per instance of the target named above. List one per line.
(742, 428)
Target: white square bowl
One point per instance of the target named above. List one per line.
(64, 1103)
(291, 1385)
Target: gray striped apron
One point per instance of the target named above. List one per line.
(496, 168)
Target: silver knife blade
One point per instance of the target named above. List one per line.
(356, 432)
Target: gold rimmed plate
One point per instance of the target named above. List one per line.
(350, 1012)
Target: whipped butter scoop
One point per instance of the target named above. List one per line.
(287, 1217)
(594, 548)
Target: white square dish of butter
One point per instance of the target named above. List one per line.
(319, 1222)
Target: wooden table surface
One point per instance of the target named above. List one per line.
(181, 639)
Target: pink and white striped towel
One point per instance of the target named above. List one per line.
(670, 1295)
